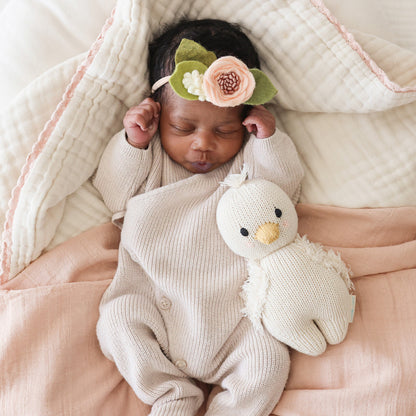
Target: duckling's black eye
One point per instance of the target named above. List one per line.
(244, 232)
(278, 212)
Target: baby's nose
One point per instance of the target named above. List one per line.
(204, 141)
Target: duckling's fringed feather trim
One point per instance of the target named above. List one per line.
(328, 258)
(254, 293)
(237, 179)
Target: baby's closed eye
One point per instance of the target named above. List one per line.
(182, 128)
(226, 132)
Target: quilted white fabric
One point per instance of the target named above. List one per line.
(391, 20)
(347, 101)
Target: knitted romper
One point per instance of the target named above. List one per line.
(173, 311)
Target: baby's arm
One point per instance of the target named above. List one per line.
(132, 333)
(271, 154)
(126, 162)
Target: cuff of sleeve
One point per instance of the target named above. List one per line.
(266, 145)
(130, 151)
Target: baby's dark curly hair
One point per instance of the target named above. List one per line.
(221, 37)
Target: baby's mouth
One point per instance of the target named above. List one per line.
(202, 166)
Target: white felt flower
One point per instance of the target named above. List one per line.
(193, 81)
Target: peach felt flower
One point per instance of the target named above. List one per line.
(228, 82)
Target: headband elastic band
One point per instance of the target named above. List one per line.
(160, 83)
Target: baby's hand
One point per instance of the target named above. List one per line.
(141, 123)
(260, 122)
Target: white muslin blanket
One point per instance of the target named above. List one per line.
(347, 101)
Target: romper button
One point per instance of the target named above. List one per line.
(165, 303)
(181, 364)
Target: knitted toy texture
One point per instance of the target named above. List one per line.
(296, 289)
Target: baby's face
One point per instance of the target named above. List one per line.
(199, 135)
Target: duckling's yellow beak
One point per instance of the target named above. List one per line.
(267, 233)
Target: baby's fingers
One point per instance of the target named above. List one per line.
(148, 107)
(142, 117)
(144, 121)
(260, 122)
(251, 127)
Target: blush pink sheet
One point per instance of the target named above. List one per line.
(50, 360)
(51, 364)
(373, 372)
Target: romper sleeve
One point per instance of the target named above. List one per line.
(275, 159)
(122, 170)
(131, 332)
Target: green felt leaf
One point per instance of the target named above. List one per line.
(177, 77)
(264, 90)
(189, 50)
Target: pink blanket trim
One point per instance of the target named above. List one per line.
(349, 38)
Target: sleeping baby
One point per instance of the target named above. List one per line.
(173, 312)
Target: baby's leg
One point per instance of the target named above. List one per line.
(253, 375)
(132, 333)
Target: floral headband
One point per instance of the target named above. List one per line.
(224, 82)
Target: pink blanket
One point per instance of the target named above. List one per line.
(51, 364)
(373, 372)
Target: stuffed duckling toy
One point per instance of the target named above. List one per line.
(296, 289)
